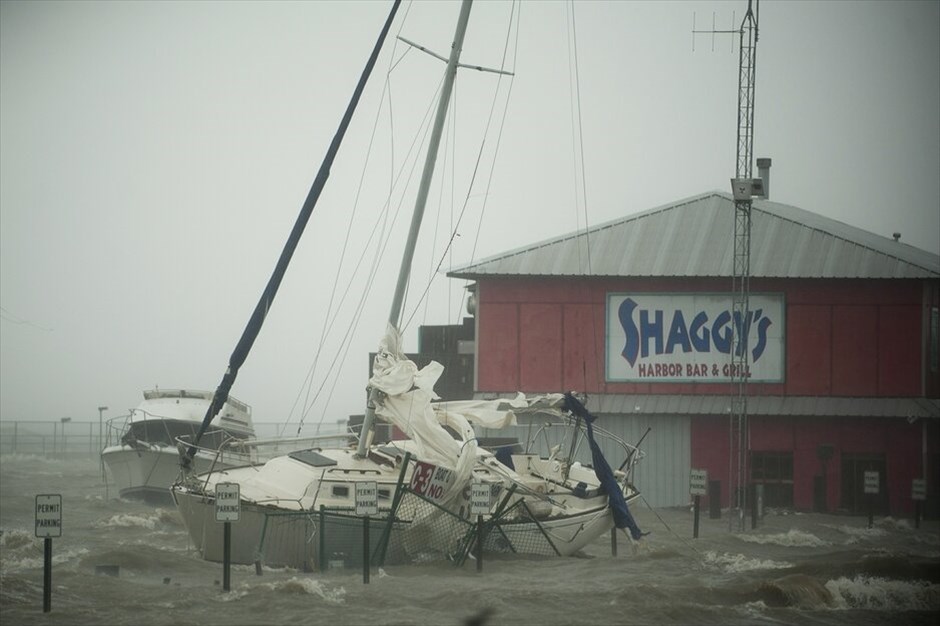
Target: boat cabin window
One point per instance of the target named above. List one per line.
(340, 491)
(384, 494)
(312, 457)
(164, 432)
(160, 432)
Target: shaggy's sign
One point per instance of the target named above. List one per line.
(688, 337)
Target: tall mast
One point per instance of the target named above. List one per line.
(260, 312)
(450, 73)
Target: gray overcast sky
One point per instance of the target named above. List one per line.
(153, 157)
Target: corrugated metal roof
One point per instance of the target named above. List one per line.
(821, 406)
(693, 238)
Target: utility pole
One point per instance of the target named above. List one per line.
(740, 367)
(743, 188)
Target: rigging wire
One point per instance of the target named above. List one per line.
(486, 132)
(308, 380)
(352, 215)
(381, 246)
(8, 316)
(584, 204)
(502, 125)
(393, 183)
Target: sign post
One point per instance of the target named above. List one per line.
(479, 506)
(698, 480)
(918, 495)
(48, 525)
(227, 510)
(871, 490)
(367, 503)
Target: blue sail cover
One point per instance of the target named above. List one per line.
(618, 506)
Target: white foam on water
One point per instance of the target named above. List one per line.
(16, 539)
(231, 596)
(857, 533)
(792, 538)
(735, 563)
(865, 592)
(21, 550)
(12, 564)
(312, 587)
(129, 520)
(891, 523)
(753, 610)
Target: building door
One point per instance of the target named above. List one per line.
(854, 498)
(774, 470)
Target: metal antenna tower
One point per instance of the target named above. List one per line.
(743, 187)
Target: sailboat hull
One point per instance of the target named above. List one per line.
(292, 547)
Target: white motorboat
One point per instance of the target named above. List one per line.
(143, 458)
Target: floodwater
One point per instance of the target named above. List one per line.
(791, 569)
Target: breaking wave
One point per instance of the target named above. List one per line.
(311, 587)
(857, 533)
(798, 591)
(128, 520)
(131, 520)
(735, 563)
(21, 550)
(792, 538)
(864, 592)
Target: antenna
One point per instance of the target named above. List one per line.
(713, 31)
(743, 187)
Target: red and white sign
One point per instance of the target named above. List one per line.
(431, 481)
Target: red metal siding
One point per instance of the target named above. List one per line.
(854, 354)
(808, 350)
(498, 367)
(583, 366)
(540, 347)
(844, 338)
(709, 440)
(900, 442)
(771, 435)
(899, 351)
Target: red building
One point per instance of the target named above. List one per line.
(843, 341)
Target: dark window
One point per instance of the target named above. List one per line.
(340, 491)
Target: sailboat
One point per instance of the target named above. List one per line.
(542, 501)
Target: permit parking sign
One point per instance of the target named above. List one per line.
(227, 502)
(698, 481)
(872, 481)
(49, 515)
(367, 498)
(479, 499)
